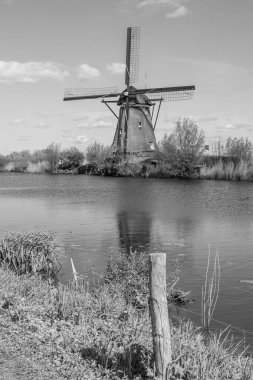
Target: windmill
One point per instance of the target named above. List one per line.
(136, 121)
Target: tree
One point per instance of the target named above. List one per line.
(52, 153)
(240, 148)
(3, 161)
(70, 158)
(38, 156)
(184, 147)
(97, 153)
(218, 148)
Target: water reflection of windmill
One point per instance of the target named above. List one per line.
(135, 127)
(134, 230)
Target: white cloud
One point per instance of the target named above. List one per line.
(178, 12)
(81, 117)
(78, 140)
(45, 114)
(30, 72)
(23, 138)
(87, 72)
(205, 119)
(144, 3)
(230, 126)
(102, 124)
(116, 68)
(176, 8)
(18, 121)
(83, 125)
(246, 126)
(102, 121)
(43, 125)
(214, 67)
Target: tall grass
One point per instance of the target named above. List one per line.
(30, 252)
(231, 171)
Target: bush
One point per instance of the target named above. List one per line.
(184, 147)
(240, 148)
(97, 153)
(70, 158)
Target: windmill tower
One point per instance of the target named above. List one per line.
(136, 121)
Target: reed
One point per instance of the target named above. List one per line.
(30, 252)
(231, 171)
(210, 291)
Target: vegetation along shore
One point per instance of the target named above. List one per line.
(183, 154)
(73, 331)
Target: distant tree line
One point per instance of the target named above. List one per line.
(48, 160)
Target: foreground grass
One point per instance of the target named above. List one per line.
(66, 332)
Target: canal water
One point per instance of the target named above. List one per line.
(94, 217)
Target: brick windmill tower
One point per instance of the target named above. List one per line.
(136, 121)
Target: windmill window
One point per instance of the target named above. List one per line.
(139, 124)
(152, 145)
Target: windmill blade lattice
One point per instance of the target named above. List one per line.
(132, 56)
(168, 93)
(90, 93)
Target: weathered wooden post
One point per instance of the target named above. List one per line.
(159, 313)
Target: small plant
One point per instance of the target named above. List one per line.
(210, 291)
(30, 252)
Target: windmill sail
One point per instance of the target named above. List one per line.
(132, 55)
(167, 93)
(90, 93)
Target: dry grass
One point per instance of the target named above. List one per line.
(30, 252)
(231, 171)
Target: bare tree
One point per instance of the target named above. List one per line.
(97, 153)
(240, 148)
(52, 153)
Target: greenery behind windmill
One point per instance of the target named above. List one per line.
(181, 154)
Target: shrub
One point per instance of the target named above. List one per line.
(70, 158)
(97, 153)
(184, 147)
(240, 148)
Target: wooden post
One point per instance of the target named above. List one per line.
(159, 313)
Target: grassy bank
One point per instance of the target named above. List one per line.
(214, 168)
(68, 332)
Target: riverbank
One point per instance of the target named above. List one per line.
(214, 168)
(229, 168)
(78, 332)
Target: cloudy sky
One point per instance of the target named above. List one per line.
(49, 45)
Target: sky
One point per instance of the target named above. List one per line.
(50, 45)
